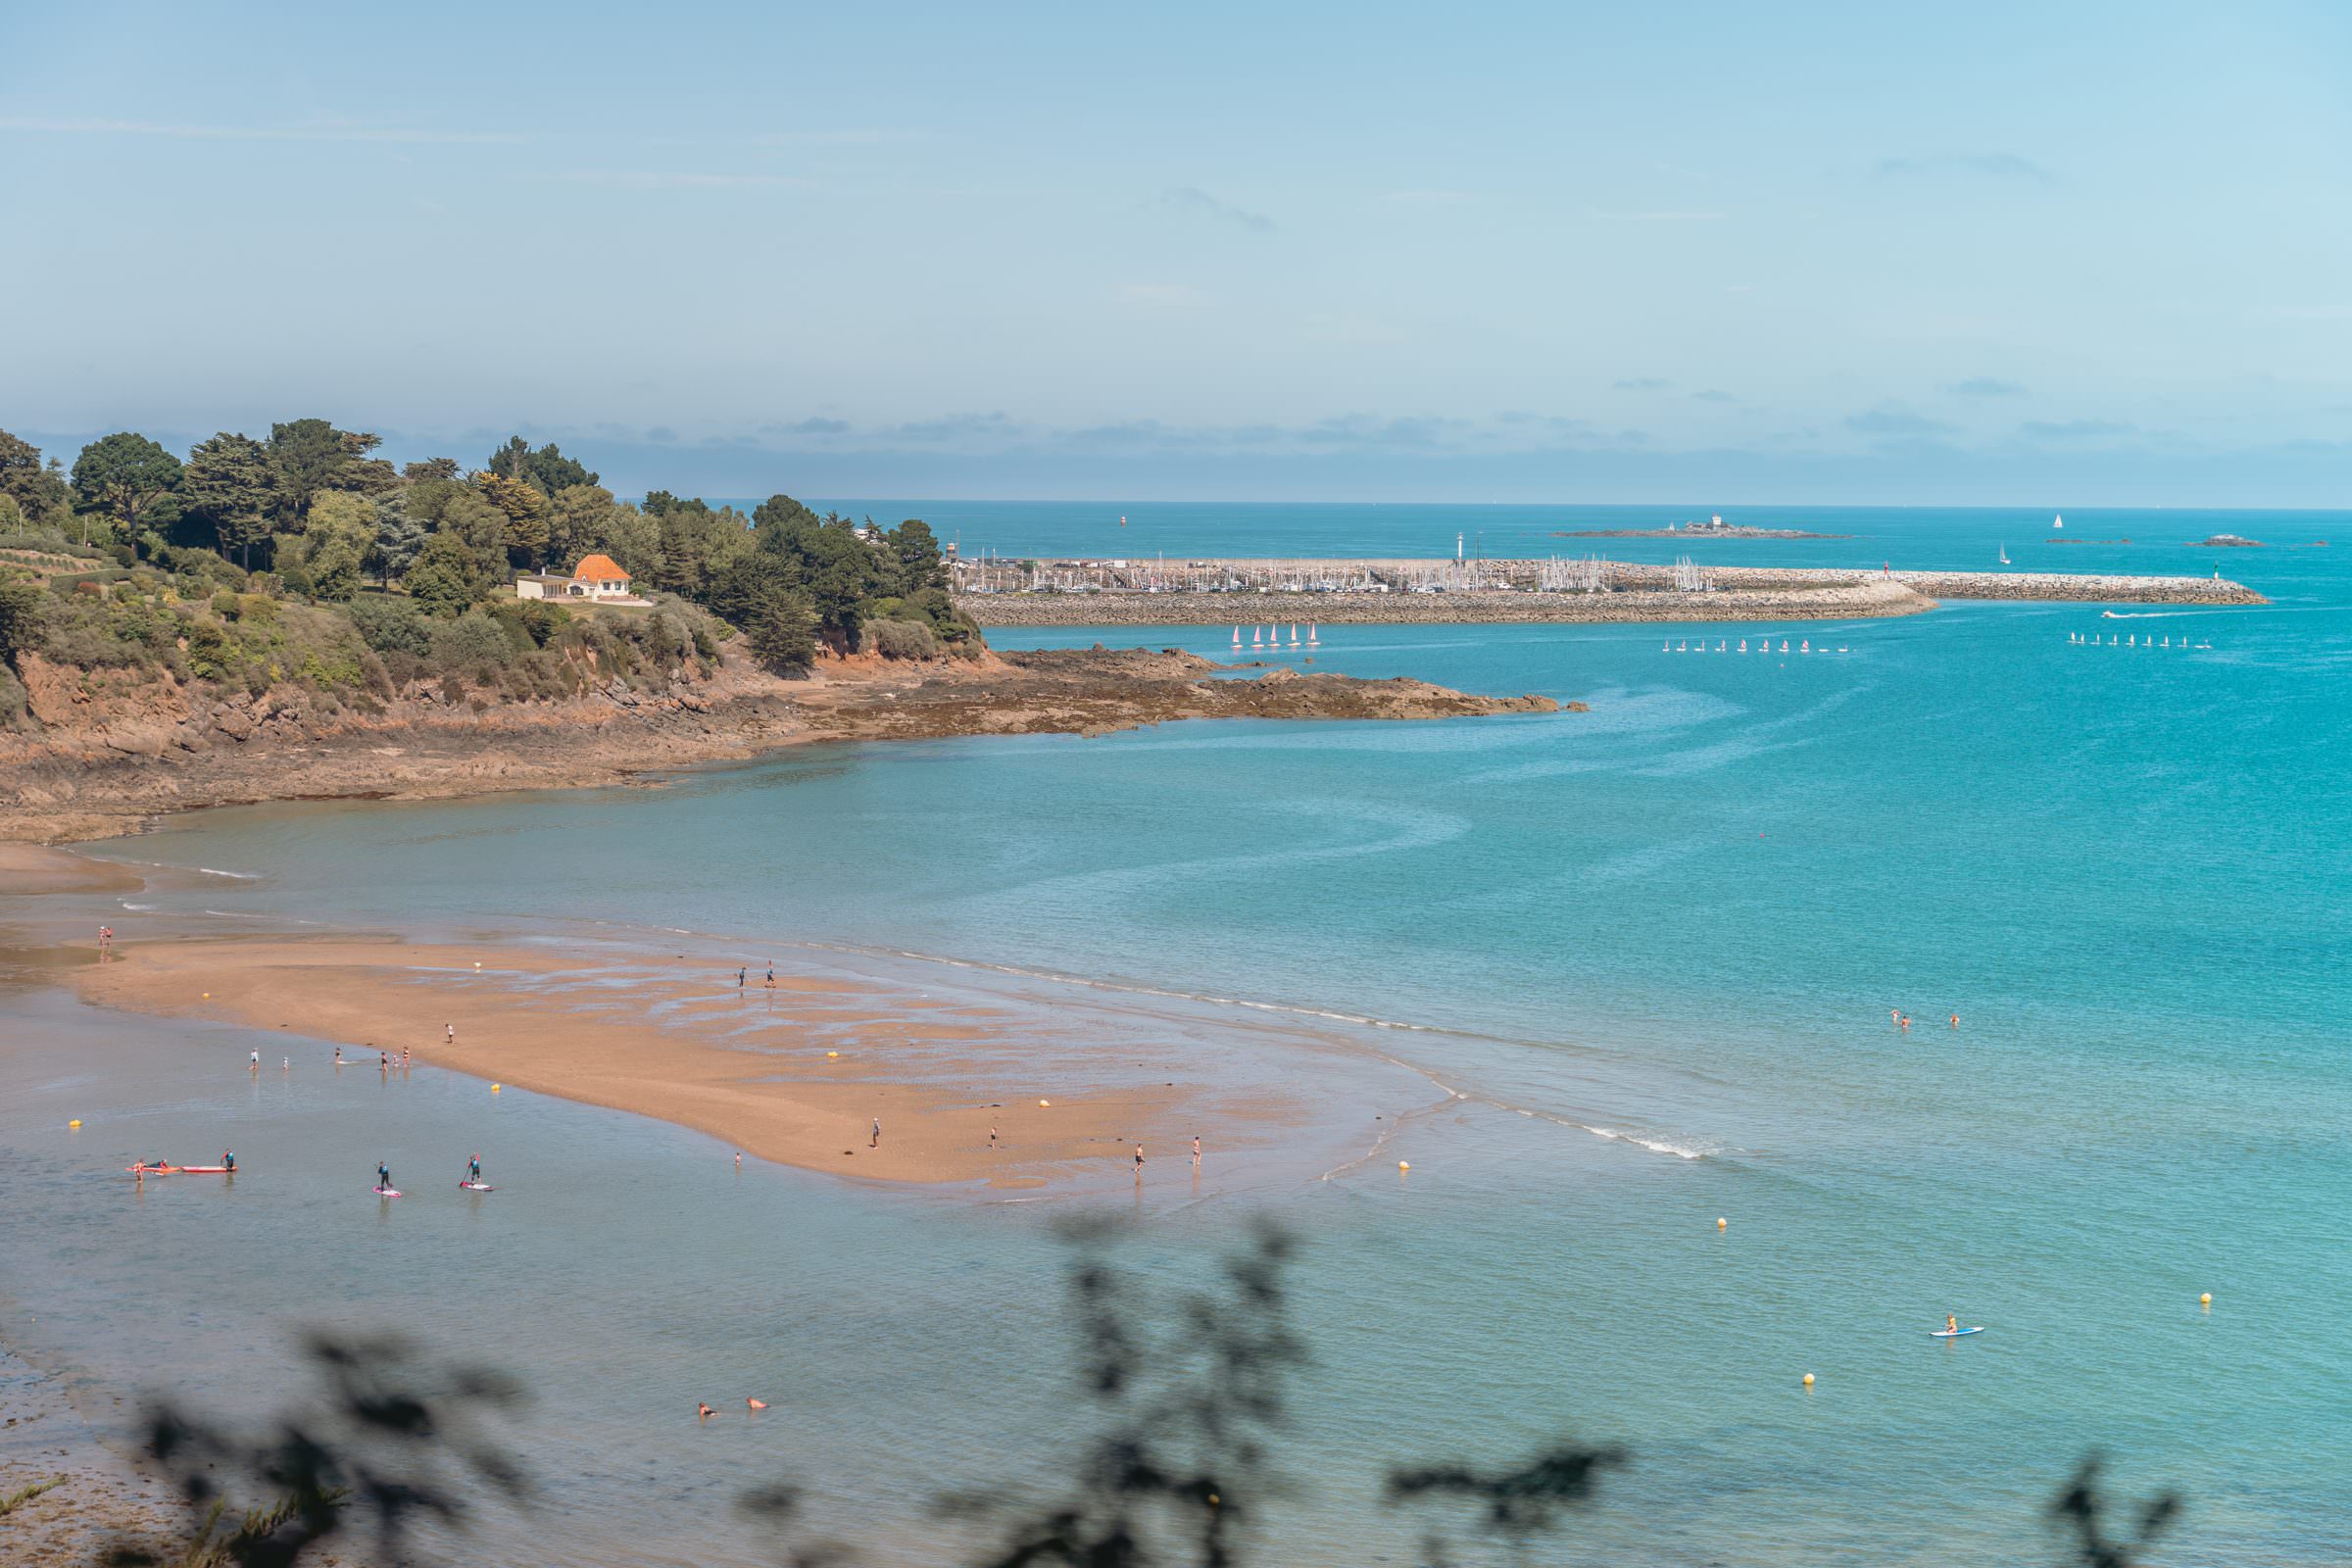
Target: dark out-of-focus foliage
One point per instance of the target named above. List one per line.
(1181, 1464)
(389, 1443)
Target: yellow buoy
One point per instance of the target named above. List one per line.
(1808, 1380)
(208, 996)
(832, 1053)
(1404, 1164)
(2203, 1300)
(495, 1088)
(75, 1124)
(1721, 1222)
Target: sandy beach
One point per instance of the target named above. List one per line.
(796, 1073)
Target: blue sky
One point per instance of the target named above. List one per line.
(2014, 254)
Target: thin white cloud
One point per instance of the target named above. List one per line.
(191, 132)
(1429, 198)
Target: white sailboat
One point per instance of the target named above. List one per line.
(1311, 640)
(1237, 637)
(2004, 554)
(2058, 521)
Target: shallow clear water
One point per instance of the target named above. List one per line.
(1680, 919)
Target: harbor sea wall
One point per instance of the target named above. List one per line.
(1109, 592)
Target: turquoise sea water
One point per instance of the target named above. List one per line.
(1654, 946)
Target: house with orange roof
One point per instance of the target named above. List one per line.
(598, 578)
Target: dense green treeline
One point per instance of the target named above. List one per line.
(208, 564)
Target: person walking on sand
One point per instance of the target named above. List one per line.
(992, 1135)
(771, 976)
(450, 1030)
(740, 974)
(876, 1141)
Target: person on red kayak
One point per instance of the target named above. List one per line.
(229, 1160)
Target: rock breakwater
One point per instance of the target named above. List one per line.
(1088, 593)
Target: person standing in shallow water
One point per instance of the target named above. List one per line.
(1139, 1163)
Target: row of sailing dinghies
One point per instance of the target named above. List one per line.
(1272, 637)
(1762, 647)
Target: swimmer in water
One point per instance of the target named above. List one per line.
(703, 1412)
(338, 1056)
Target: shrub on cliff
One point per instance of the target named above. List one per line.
(900, 639)
(474, 639)
(390, 625)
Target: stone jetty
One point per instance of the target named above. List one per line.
(1171, 593)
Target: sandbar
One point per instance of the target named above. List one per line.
(676, 1037)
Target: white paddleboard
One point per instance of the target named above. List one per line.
(1955, 1334)
(386, 1191)
(477, 1187)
